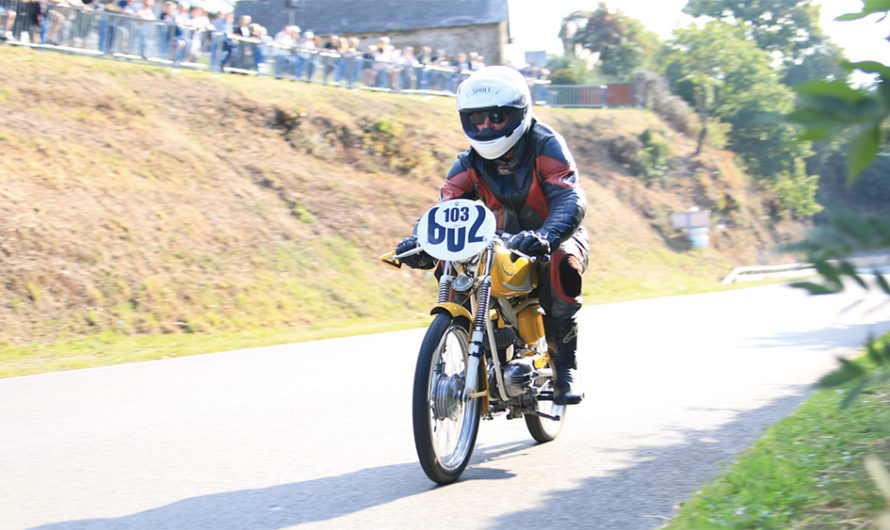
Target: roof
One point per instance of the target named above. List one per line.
(326, 17)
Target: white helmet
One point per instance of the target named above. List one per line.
(488, 90)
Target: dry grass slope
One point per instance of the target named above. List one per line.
(141, 200)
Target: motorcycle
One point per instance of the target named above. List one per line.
(485, 353)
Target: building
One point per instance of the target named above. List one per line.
(453, 25)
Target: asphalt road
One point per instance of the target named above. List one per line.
(319, 434)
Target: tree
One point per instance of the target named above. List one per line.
(821, 62)
(789, 28)
(622, 42)
(727, 77)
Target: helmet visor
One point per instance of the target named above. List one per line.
(495, 116)
(491, 122)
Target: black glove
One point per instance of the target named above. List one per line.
(530, 242)
(421, 260)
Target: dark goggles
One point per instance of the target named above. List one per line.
(497, 116)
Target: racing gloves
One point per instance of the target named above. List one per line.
(530, 242)
(421, 260)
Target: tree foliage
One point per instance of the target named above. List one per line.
(831, 109)
(726, 76)
(789, 28)
(621, 42)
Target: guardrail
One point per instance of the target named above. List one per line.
(754, 273)
(867, 263)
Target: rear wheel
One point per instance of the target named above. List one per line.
(541, 428)
(445, 425)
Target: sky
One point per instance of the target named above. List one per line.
(534, 28)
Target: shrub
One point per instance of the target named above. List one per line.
(651, 91)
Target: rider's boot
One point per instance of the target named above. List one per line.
(562, 336)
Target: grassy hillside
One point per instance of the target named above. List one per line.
(140, 200)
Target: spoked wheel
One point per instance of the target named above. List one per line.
(445, 425)
(541, 428)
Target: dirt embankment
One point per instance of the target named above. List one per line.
(136, 199)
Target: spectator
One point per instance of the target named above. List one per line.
(461, 67)
(426, 60)
(476, 61)
(223, 25)
(232, 41)
(282, 49)
(183, 30)
(383, 61)
(343, 55)
(461, 63)
(59, 13)
(169, 31)
(426, 57)
(83, 22)
(260, 36)
(352, 66)
(305, 55)
(146, 13)
(368, 72)
(33, 20)
(8, 15)
(199, 26)
(330, 57)
(408, 67)
(441, 76)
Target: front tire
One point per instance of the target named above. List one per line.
(445, 426)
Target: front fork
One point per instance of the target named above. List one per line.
(481, 324)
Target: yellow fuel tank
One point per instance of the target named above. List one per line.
(510, 278)
(531, 324)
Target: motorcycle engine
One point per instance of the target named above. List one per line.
(518, 376)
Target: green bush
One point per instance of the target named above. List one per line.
(651, 161)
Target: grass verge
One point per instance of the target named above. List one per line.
(804, 472)
(110, 348)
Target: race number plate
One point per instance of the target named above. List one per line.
(456, 230)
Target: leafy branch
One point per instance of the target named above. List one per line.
(878, 352)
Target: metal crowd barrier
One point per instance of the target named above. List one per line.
(577, 96)
(110, 34)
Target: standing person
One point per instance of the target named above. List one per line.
(169, 31)
(282, 49)
(183, 17)
(425, 59)
(330, 48)
(9, 14)
(223, 25)
(262, 40)
(146, 13)
(200, 26)
(305, 55)
(231, 41)
(525, 174)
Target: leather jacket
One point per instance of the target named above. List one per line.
(536, 188)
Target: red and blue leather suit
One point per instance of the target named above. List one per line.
(534, 187)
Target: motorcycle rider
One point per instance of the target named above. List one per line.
(523, 171)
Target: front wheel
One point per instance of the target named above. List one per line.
(445, 425)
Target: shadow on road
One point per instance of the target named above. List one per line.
(644, 495)
(300, 502)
